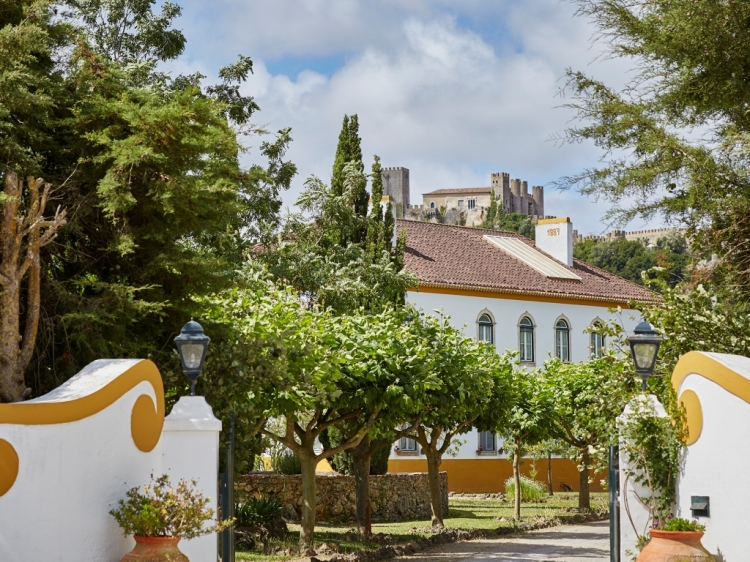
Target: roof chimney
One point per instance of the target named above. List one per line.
(555, 236)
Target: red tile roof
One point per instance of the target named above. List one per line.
(459, 258)
(460, 191)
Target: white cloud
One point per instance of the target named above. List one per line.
(451, 103)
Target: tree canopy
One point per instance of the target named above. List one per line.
(674, 138)
(146, 165)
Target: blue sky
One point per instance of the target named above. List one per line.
(451, 89)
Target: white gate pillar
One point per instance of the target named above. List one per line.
(632, 512)
(190, 449)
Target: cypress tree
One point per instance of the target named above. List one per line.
(341, 159)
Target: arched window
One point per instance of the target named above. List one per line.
(562, 340)
(486, 329)
(432, 205)
(526, 339)
(597, 343)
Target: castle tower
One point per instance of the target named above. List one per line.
(396, 185)
(537, 194)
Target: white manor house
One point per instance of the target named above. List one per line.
(533, 297)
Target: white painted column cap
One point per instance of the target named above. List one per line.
(192, 413)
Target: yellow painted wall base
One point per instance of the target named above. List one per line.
(470, 476)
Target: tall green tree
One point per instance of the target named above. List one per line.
(690, 73)
(527, 423)
(473, 390)
(586, 400)
(147, 167)
(349, 153)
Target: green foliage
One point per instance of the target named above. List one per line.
(586, 399)
(163, 511)
(531, 490)
(699, 318)
(379, 461)
(339, 258)
(653, 446)
(343, 463)
(630, 258)
(127, 31)
(496, 218)
(690, 73)
(263, 339)
(289, 464)
(257, 511)
(679, 524)
(160, 212)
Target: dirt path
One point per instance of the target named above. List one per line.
(581, 543)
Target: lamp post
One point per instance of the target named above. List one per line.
(192, 344)
(644, 345)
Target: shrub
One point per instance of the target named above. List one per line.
(679, 524)
(289, 463)
(379, 461)
(164, 511)
(257, 511)
(531, 490)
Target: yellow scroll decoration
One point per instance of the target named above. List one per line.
(146, 418)
(698, 363)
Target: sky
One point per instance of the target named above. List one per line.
(451, 89)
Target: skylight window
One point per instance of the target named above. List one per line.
(531, 257)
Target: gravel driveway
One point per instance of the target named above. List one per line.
(581, 543)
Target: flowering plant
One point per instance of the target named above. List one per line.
(163, 511)
(672, 523)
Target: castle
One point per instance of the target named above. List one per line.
(465, 204)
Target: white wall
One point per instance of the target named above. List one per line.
(72, 472)
(717, 464)
(507, 313)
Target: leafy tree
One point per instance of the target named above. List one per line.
(690, 73)
(473, 390)
(405, 359)
(345, 379)
(159, 211)
(497, 218)
(527, 423)
(127, 31)
(586, 400)
(630, 258)
(697, 318)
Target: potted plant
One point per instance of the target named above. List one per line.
(675, 540)
(160, 515)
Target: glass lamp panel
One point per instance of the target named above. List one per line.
(644, 355)
(192, 355)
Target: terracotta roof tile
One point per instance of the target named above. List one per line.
(459, 257)
(460, 191)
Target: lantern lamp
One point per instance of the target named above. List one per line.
(644, 346)
(192, 344)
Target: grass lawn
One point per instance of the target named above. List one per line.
(464, 513)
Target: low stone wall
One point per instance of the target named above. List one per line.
(394, 497)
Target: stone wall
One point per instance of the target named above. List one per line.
(394, 497)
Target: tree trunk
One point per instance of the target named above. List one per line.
(361, 456)
(309, 500)
(23, 232)
(433, 477)
(517, 481)
(584, 496)
(549, 475)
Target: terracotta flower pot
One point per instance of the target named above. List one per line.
(155, 549)
(675, 546)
